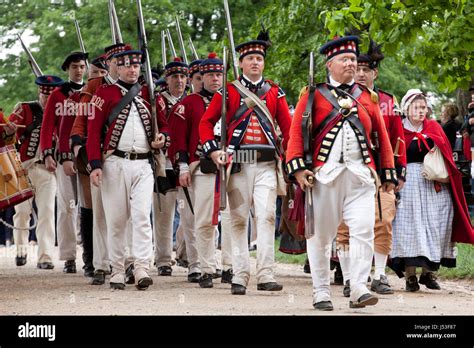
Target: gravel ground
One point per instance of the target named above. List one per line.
(29, 291)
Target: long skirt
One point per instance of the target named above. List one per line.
(423, 224)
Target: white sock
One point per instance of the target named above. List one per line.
(380, 263)
(345, 262)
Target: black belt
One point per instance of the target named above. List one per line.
(131, 155)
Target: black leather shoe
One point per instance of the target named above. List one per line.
(218, 274)
(165, 271)
(381, 286)
(237, 289)
(206, 281)
(347, 289)
(20, 260)
(70, 266)
(45, 265)
(227, 276)
(271, 286)
(88, 271)
(144, 283)
(364, 300)
(323, 306)
(182, 263)
(338, 278)
(117, 286)
(429, 280)
(98, 278)
(306, 268)
(194, 277)
(129, 277)
(411, 284)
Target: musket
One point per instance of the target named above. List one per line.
(193, 50)
(183, 49)
(79, 38)
(181, 41)
(34, 66)
(222, 168)
(170, 42)
(118, 33)
(376, 156)
(151, 87)
(307, 125)
(235, 65)
(163, 48)
(111, 22)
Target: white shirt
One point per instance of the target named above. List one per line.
(346, 143)
(133, 137)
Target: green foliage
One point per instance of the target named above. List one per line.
(427, 44)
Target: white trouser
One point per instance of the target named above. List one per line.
(203, 187)
(226, 239)
(344, 199)
(99, 231)
(67, 215)
(127, 191)
(44, 183)
(186, 221)
(180, 242)
(254, 184)
(163, 227)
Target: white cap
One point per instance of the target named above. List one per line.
(409, 97)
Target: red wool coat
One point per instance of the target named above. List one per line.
(276, 104)
(462, 228)
(104, 101)
(370, 117)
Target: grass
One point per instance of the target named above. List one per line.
(464, 262)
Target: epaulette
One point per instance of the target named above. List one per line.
(303, 91)
(373, 95)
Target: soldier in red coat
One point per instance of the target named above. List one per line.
(186, 151)
(176, 76)
(30, 115)
(254, 154)
(346, 128)
(367, 72)
(123, 162)
(92, 202)
(61, 108)
(195, 78)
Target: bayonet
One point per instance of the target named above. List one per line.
(193, 50)
(170, 42)
(79, 38)
(34, 66)
(181, 41)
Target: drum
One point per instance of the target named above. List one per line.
(15, 186)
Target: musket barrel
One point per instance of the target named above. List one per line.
(163, 48)
(235, 65)
(118, 33)
(79, 38)
(181, 41)
(34, 66)
(222, 168)
(111, 21)
(193, 50)
(170, 41)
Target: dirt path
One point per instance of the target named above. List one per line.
(29, 291)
